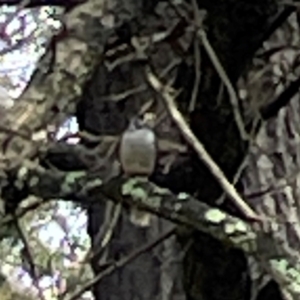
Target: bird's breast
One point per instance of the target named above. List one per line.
(138, 152)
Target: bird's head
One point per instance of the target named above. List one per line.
(136, 123)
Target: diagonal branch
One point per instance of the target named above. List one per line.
(121, 263)
(282, 100)
(223, 75)
(45, 102)
(28, 256)
(183, 209)
(199, 148)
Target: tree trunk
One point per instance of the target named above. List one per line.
(235, 30)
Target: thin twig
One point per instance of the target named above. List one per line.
(102, 239)
(29, 258)
(198, 22)
(197, 77)
(222, 73)
(167, 94)
(236, 178)
(122, 262)
(106, 230)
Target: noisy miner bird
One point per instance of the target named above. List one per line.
(138, 153)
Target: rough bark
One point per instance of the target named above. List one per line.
(235, 30)
(211, 269)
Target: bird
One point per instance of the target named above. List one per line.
(138, 155)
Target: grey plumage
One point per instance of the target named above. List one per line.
(138, 154)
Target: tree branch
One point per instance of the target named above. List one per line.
(181, 209)
(204, 156)
(270, 110)
(45, 102)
